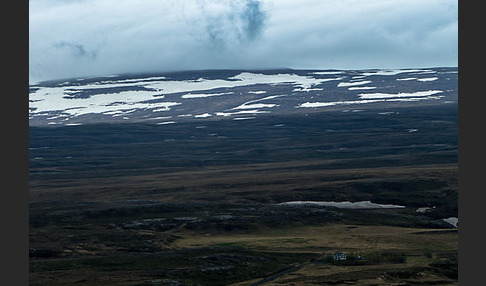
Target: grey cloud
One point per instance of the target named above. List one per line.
(240, 25)
(77, 50)
(254, 19)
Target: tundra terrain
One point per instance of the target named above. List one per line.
(248, 198)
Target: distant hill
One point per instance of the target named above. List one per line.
(169, 98)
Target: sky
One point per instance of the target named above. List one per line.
(83, 38)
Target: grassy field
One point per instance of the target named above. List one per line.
(321, 239)
(198, 258)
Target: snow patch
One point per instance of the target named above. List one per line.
(243, 118)
(364, 101)
(201, 95)
(353, 83)
(344, 205)
(428, 79)
(307, 89)
(452, 221)
(407, 78)
(328, 72)
(400, 94)
(247, 78)
(160, 118)
(392, 72)
(255, 106)
(251, 102)
(424, 209)
(204, 115)
(426, 72)
(361, 87)
(225, 114)
(317, 104)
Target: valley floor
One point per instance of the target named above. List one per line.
(141, 204)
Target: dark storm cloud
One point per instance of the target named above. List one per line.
(99, 37)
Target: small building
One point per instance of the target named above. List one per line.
(339, 256)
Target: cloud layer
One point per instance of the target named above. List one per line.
(88, 38)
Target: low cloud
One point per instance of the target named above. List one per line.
(88, 38)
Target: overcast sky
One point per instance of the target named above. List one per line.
(78, 38)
